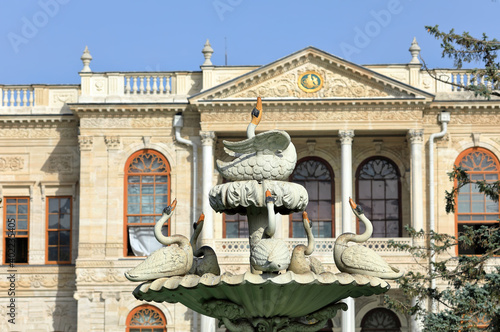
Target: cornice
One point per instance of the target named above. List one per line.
(81, 110)
(44, 120)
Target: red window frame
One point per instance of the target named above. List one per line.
(18, 234)
(134, 318)
(131, 170)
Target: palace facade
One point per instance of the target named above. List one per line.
(86, 170)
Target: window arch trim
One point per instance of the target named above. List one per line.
(127, 172)
(145, 307)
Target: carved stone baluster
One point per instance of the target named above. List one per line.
(148, 85)
(127, 85)
(18, 97)
(162, 88)
(1, 97)
(6, 98)
(141, 87)
(135, 84)
(31, 97)
(155, 85)
(167, 84)
(25, 97)
(12, 100)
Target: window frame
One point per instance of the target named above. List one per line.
(5, 230)
(332, 197)
(47, 214)
(358, 199)
(151, 327)
(457, 163)
(125, 193)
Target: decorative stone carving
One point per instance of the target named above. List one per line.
(415, 136)
(112, 142)
(476, 138)
(60, 164)
(311, 146)
(11, 164)
(207, 137)
(38, 132)
(346, 136)
(85, 142)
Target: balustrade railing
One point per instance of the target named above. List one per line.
(17, 96)
(459, 78)
(322, 246)
(148, 83)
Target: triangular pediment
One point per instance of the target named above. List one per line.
(311, 74)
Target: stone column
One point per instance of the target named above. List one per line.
(346, 136)
(415, 137)
(207, 142)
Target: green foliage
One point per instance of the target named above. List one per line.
(468, 287)
(467, 49)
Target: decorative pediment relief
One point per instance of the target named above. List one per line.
(335, 85)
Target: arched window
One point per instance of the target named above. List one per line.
(474, 209)
(378, 188)
(317, 177)
(380, 320)
(146, 318)
(147, 192)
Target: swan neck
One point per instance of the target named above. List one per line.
(251, 130)
(271, 220)
(194, 237)
(368, 232)
(165, 240)
(310, 241)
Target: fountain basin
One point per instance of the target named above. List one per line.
(256, 296)
(236, 197)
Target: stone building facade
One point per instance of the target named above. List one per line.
(86, 169)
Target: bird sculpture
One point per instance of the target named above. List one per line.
(359, 259)
(205, 259)
(269, 254)
(300, 263)
(266, 156)
(174, 260)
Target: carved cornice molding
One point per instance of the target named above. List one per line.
(26, 281)
(106, 276)
(129, 109)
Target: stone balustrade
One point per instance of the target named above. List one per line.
(148, 83)
(459, 77)
(16, 95)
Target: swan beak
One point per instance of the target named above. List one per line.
(269, 197)
(171, 207)
(257, 112)
(353, 205)
(200, 220)
(305, 217)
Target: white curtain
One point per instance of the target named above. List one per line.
(143, 241)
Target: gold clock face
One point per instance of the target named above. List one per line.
(310, 81)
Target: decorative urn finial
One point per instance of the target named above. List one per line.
(415, 51)
(86, 58)
(207, 53)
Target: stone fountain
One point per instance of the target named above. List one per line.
(272, 295)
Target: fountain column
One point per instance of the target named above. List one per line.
(415, 136)
(346, 136)
(207, 141)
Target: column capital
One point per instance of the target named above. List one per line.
(207, 137)
(346, 136)
(415, 136)
(85, 142)
(112, 142)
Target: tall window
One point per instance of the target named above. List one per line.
(474, 209)
(16, 229)
(58, 230)
(146, 318)
(380, 320)
(317, 177)
(147, 193)
(378, 192)
(235, 226)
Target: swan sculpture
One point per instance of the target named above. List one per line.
(205, 259)
(300, 263)
(266, 156)
(269, 254)
(359, 259)
(174, 260)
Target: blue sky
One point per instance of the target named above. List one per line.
(41, 41)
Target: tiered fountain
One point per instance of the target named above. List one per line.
(280, 292)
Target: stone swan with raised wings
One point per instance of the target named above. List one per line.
(174, 260)
(301, 261)
(359, 259)
(266, 156)
(205, 259)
